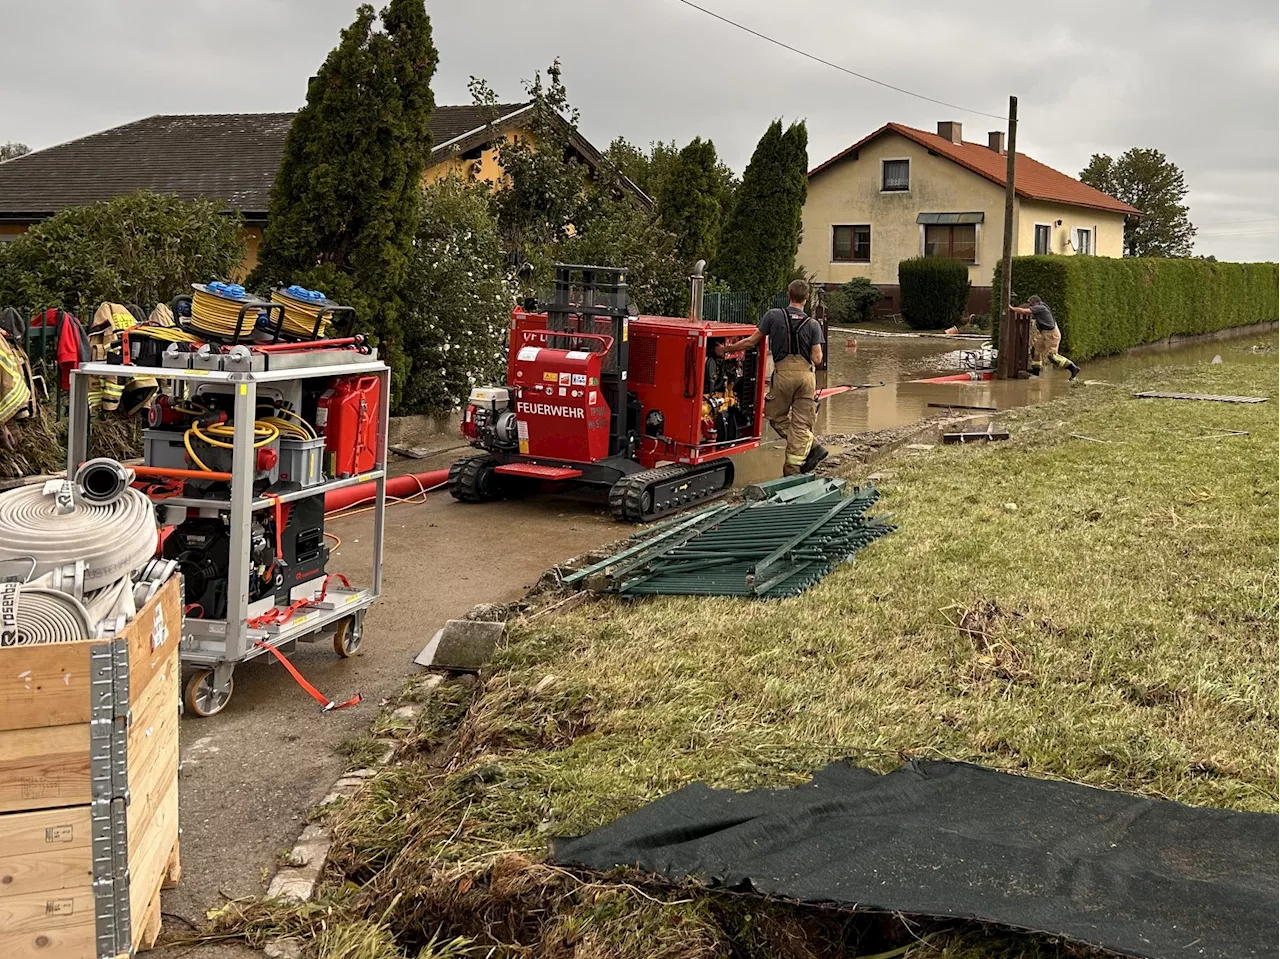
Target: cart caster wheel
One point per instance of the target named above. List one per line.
(205, 699)
(346, 641)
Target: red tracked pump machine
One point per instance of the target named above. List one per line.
(596, 396)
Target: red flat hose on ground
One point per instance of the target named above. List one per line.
(406, 485)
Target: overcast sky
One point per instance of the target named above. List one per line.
(1196, 80)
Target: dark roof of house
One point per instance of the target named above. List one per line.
(233, 157)
(1033, 179)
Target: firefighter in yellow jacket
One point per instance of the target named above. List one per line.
(795, 342)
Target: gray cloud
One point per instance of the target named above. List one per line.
(1198, 81)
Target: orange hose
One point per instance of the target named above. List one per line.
(181, 474)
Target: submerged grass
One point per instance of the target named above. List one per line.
(1094, 600)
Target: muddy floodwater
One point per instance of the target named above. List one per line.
(899, 360)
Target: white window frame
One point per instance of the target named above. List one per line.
(1075, 240)
(831, 245)
(1047, 226)
(883, 161)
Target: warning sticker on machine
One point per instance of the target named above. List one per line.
(564, 379)
(550, 377)
(579, 379)
(591, 398)
(528, 353)
(522, 432)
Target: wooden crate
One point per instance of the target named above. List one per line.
(89, 776)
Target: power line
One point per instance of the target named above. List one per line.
(836, 66)
(1268, 219)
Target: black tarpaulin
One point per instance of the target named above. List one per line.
(1135, 876)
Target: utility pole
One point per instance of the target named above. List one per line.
(1007, 364)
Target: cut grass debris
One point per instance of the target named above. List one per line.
(1116, 627)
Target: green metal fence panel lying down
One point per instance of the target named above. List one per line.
(786, 536)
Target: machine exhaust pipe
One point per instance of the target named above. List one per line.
(697, 283)
(101, 481)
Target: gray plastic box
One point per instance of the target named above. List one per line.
(302, 461)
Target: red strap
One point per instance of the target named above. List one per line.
(327, 705)
(324, 589)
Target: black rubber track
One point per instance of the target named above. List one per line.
(627, 496)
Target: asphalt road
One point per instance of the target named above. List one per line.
(251, 773)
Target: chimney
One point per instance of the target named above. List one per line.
(995, 140)
(949, 130)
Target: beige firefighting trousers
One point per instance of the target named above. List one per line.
(1044, 346)
(789, 406)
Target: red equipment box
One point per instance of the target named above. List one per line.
(560, 412)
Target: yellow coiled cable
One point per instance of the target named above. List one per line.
(217, 315)
(300, 315)
(264, 433)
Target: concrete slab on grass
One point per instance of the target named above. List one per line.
(466, 645)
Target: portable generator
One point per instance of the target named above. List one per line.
(596, 396)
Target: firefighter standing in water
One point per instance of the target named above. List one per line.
(795, 341)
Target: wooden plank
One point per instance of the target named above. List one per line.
(44, 685)
(1207, 397)
(150, 866)
(42, 768)
(45, 850)
(152, 641)
(48, 925)
(153, 774)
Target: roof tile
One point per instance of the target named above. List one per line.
(233, 157)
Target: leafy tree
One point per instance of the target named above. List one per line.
(647, 170)
(345, 203)
(12, 150)
(758, 245)
(551, 209)
(142, 248)
(620, 233)
(1147, 180)
(546, 192)
(457, 298)
(688, 204)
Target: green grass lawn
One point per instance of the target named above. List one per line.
(1102, 610)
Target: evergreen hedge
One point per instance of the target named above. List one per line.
(934, 291)
(1107, 305)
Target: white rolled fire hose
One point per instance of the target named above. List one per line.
(79, 545)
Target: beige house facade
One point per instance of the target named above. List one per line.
(902, 193)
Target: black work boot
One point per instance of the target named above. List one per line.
(817, 453)
(1075, 370)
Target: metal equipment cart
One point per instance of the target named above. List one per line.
(214, 647)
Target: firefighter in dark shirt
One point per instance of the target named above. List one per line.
(1045, 337)
(795, 342)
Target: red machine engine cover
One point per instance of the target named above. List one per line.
(561, 413)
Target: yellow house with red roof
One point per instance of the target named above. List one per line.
(902, 192)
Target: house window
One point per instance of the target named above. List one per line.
(958, 242)
(1084, 242)
(1043, 231)
(896, 175)
(851, 244)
